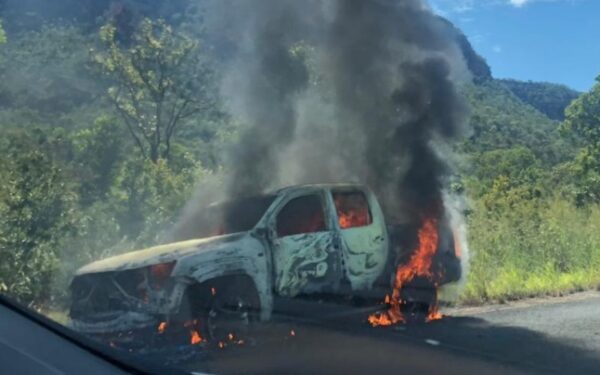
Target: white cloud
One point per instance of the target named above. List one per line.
(464, 6)
(519, 3)
(477, 38)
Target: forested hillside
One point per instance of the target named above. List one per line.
(549, 98)
(90, 169)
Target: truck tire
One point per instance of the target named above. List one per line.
(226, 310)
(418, 297)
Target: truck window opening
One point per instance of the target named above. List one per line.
(301, 215)
(352, 209)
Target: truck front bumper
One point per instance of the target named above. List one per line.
(127, 330)
(124, 321)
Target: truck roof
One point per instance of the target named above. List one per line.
(319, 187)
(289, 188)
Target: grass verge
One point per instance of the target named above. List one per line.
(549, 249)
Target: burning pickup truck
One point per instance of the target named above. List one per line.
(296, 243)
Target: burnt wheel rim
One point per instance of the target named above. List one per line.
(417, 303)
(229, 319)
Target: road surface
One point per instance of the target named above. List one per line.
(557, 335)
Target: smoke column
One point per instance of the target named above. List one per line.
(263, 81)
(370, 98)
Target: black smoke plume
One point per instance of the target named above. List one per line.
(370, 97)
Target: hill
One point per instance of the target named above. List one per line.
(548, 98)
(499, 119)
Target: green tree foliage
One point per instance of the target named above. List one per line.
(98, 152)
(499, 119)
(70, 198)
(45, 80)
(157, 83)
(2, 34)
(549, 98)
(500, 171)
(583, 121)
(583, 117)
(36, 214)
(147, 197)
(79, 193)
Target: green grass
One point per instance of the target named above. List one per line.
(510, 283)
(533, 250)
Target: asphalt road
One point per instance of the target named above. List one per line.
(558, 335)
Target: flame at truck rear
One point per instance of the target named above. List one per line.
(419, 265)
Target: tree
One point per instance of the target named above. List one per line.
(157, 83)
(98, 150)
(583, 116)
(147, 196)
(37, 211)
(2, 34)
(583, 122)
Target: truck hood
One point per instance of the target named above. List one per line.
(157, 254)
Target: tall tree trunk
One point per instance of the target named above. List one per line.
(154, 155)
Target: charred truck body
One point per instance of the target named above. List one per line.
(301, 241)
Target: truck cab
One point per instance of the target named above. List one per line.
(323, 237)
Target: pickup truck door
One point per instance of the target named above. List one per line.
(364, 236)
(306, 256)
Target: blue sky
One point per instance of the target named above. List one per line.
(539, 40)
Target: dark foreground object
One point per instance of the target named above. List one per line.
(32, 344)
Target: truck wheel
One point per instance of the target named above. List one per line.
(231, 313)
(417, 300)
(415, 312)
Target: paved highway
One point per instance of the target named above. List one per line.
(556, 335)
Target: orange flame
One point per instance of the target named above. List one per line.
(434, 314)
(351, 219)
(195, 337)
(162, 327)
(352, 213)
(418, 266)
(457, 248)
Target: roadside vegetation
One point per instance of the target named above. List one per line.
(109, 122)
(533, 222)
(551, 249)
